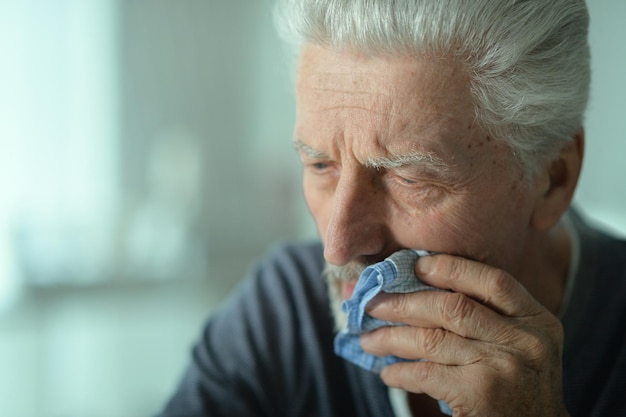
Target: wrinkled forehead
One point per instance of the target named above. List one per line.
(408, 95)
(395, 103)
(395, 86)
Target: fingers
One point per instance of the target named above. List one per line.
(481, 394)
(437, 381)
(488, 344)
(432, 344)
(491, 286)
(500, 387)
(454, 312)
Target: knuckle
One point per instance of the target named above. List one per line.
(556, 331)
(500, 284)
(508, 367)
(399, 305)
(424, 370)
(520, 341)
(534, 345)
(454, 268)
(431, 341)
(545, 346)
(531, 348)
(536, 349)
(456, 308)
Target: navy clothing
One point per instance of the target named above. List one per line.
(594, 354)
(269, 350)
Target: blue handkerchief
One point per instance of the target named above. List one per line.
(393, 275)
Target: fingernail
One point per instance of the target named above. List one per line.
(424, 265)
(376, 302)
(365, 338)
(369, 343)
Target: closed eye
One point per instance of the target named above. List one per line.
(407, 181)
(411, 184)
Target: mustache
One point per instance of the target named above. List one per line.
(345, 273)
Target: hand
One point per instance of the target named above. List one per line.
(490, 348)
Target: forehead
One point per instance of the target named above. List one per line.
(346, 64)
(394, 101)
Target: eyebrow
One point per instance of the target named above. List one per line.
(308, 151)
(428, 160)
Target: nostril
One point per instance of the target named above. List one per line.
(368, 245)
(372, 259)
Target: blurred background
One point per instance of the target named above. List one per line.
(145, 163)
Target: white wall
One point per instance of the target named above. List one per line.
(100, 351)
(602, 190)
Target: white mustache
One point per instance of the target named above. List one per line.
(345, 273)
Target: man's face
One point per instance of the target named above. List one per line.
(393, 159)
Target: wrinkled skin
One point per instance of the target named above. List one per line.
(491, 347)
(393, 158)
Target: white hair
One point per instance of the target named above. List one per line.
(528, 60)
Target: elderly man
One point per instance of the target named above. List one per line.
(455, 127)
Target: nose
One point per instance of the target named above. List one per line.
(356, 227)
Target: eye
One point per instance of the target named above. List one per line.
(319, 166)
(407, 181)
(412, 185)
(402, 179)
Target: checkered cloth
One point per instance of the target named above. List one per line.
(393, 275)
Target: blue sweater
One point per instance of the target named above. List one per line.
(269, 350)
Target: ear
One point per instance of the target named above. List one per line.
(558, 184)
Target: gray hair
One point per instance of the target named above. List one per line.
(528, 60)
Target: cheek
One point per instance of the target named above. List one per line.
(438, 228)
(319, 206)
(477, 226)
(491, 230)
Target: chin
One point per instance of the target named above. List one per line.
(334, 294)
(341, 281)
